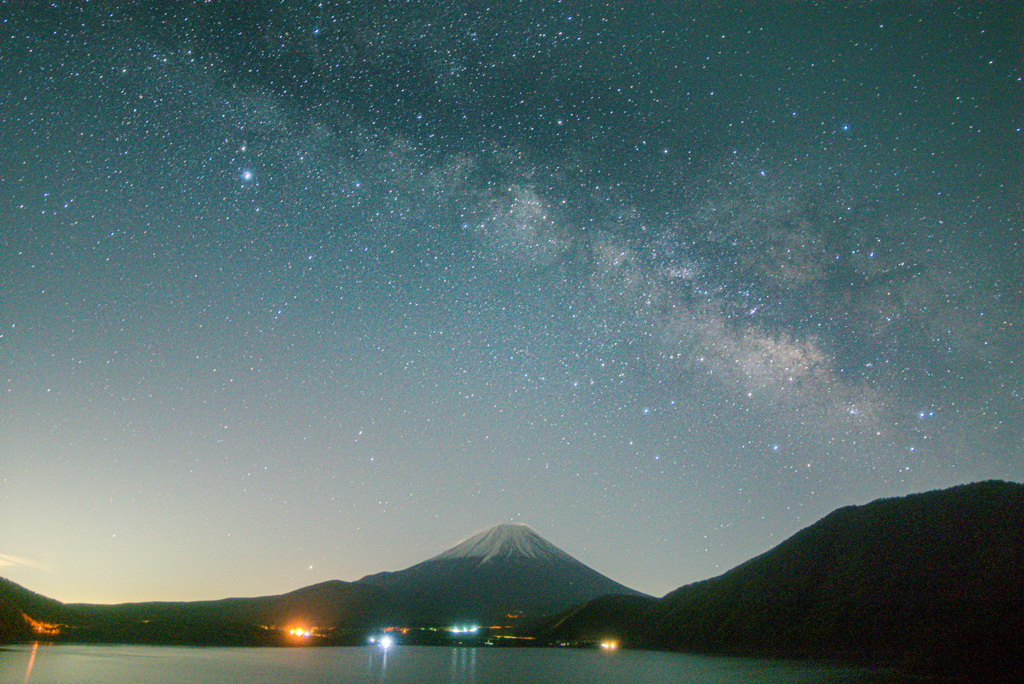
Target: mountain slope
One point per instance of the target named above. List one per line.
(19, 608)
(508, 570)
(335, 604)
(343, 611)
(935, 579)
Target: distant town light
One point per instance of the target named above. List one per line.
(609, 645)
(45, 628)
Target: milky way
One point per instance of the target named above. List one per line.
(298, 291)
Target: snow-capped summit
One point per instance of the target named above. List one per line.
(505, 541)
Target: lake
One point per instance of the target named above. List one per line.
(75, 664)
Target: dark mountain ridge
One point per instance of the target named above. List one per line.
(348, 609)
(934, 580)
(19, 608)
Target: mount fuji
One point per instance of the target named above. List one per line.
(501, 574)
(505, 576)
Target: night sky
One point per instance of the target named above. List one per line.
(294, 291)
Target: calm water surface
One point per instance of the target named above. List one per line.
(397, 665)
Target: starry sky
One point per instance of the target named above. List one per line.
(294, 290)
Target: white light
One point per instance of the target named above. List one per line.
(386, 642)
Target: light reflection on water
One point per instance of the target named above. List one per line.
(70, 664)
(31, 662)
(463, 666)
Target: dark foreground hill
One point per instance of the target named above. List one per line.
(20, 608)
(934, 581)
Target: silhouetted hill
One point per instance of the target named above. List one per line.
(618, 618)
(342, 611)
(19, 606)
(508, 570)
(932, 580)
